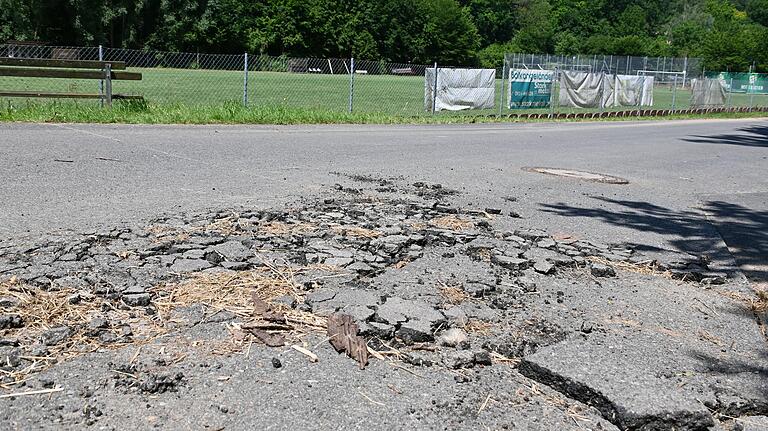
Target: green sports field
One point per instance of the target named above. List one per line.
(376, 94)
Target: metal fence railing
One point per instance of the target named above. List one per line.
(337, 85)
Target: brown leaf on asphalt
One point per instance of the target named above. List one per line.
(271, 340)
(264, 311)
(259, 305)
(342, 333)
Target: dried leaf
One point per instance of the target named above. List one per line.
(260, 307)
(271, 340)
(342, 333)
(264, 311)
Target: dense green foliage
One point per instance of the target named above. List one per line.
(728, 34)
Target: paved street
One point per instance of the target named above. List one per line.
(79, 176)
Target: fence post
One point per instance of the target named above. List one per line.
(552, 94)
(108, 84)
(602, 93)
(674, 94)
(434, 91)
(503, 75)
(351, 83)
(730, 94)
(245, 79)
(685, 70)
(101, 81)
(751, 87)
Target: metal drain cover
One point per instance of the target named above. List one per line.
(579, 175)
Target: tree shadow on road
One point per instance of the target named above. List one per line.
(752, 136)
(689, 231)
(746, 232)
(733, 366)
(753, 381)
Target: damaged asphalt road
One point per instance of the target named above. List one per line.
(476, 314)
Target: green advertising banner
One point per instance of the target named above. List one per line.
(750, 83)
(530, 88)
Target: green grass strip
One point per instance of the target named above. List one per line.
(234, 113)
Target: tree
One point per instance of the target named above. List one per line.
(726, 33)
(492, 56)
(18, 19)
(567, 43)
(496, 20)
(451, 35)
(633, 21)
(757, 11)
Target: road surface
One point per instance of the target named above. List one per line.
(689, 181)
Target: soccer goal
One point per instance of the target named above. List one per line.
(666, 77)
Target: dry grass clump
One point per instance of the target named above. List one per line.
(277, 228)
(42, 310)
(167, 233)
(483, 255)
(455, 295)
(452, 222)
(240, 293)
(474, 326)
(760, 305)
(227, 226)
(757, 304)
(237, 292)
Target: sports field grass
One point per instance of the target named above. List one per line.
(373, 94)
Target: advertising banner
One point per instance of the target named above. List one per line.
(750, 83)
(530, 89)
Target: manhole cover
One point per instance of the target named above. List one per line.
(579, 175)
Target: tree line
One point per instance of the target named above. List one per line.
(727, 34)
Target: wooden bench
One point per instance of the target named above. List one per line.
(403, 71)
(105, 71)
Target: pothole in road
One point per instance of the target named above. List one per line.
(579, 175)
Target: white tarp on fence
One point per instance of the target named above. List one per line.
(707, 93)
(595, 90)
(628, 90)
(460, 89)
(581, 89)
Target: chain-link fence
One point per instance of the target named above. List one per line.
(665, 70)
(337, 85)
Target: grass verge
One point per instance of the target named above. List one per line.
(234, 113)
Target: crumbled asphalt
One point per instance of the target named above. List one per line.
(487, 325)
